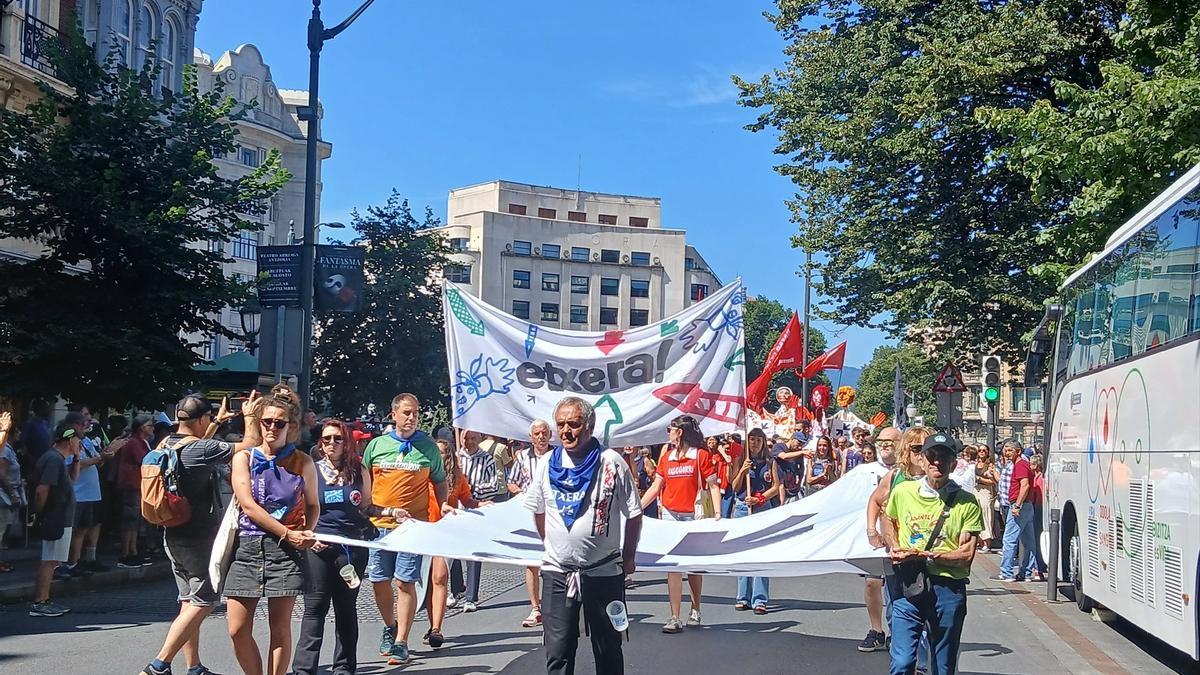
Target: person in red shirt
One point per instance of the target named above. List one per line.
(1018, 529)
(129, 482)
(727, 455)
(685, 470)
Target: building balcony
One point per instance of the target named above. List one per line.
(37, 40)
(593, 259)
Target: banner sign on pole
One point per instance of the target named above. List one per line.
(819, 534)
(339, 278)
(279, 276)
(506, 372)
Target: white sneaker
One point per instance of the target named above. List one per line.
(469, 606)
(451, 601)
(693, 618)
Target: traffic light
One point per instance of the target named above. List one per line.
(990, 378)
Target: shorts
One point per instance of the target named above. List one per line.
(668, 514)
(8, 516)
(87, 514)
(189, 564)
(384, 565)
(57, 550)
(131, 510)
(262, 567)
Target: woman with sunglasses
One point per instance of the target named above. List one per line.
(684, 470)
(334, 571)
(756, 487)
(986, 480)
(276, 490)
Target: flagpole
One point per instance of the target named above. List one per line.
(807, 306)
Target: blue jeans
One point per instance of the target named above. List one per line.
(1018, 529)
(891, 591)
(384, 565)
(941, 611)
(755, 591)
(727, 499)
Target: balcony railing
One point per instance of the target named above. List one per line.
(37, 36)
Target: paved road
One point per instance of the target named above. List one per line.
(814, 626)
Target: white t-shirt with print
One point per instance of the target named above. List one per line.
(596, 534)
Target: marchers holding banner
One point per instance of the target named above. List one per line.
(506, 372)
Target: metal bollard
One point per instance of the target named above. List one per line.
(1052, 562)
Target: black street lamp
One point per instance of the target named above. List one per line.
(318, 35)
(246, 315)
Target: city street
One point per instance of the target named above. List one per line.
(815, 626)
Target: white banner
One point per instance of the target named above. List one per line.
(820, 534)
(505, 372)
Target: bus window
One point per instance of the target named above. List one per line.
(1123, 301)
(1173, 284)
(1066, 338)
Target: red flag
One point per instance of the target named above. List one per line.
(786, 353)
(756, 393)
(833, 359)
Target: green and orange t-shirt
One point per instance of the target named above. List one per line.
(401, 471)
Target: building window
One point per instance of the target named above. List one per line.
(637, 221)
(517, 209)
(123, 27)
(549, 282)
(216, 246)
(551, 214)
(577, 216)
(608, 219)
(245, 246)
(146, 35)
(580, 253)
(689, 263)
(579, 313)
(610, 286)
(459, 274)
(551, 250)
(251, 157)
(639, 317)
(609, 255)
(579, 284)
(459, 243)
(699, 291)
(640, 258)
(520, 278)
(522, 248)
(550, 311)
(521, 309)
(169, 50)
(608, 316)
(1027, 400)
(639, 288)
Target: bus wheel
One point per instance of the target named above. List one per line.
(1082, 601)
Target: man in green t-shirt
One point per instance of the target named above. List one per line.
(915, 541)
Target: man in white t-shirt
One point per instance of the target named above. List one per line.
(873, 595)
(578, 490)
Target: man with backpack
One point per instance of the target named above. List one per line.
(187, 461)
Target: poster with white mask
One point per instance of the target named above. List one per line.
(820, 534)
(506, 372)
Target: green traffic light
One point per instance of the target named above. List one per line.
(991, 394)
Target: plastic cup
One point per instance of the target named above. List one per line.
(350, 576)
(616, 615)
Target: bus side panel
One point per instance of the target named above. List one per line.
(1125, 449)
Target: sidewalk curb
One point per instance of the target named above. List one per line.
(22, 592)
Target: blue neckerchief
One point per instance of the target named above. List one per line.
(570, 485)
(259, 462)
(405, 443)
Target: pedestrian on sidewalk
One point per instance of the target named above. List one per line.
(54, 506)
(583, 500)
(756, 487)
(520, 476)
(85, 535)
(12, 487)
(129, 481)
(986, 481)
(1037, 494)
(189, 546)
(873, 590)
(1017, 561)
(458, 494)
(931, 530)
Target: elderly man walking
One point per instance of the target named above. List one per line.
(577, 493)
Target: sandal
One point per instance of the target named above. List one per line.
(760, 610)
(5, 567)
(533, 620)
(741, 606)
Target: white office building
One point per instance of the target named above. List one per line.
(572, 259)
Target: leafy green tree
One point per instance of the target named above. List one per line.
(114, 189)
(764, 320)
(1095, 153)
(877, 382)
(396, 344)
(898, 183)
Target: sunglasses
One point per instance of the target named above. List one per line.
(332, 439)
(274, 424)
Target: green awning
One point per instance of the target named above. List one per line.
(237, 362)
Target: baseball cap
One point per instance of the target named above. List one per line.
(941, 445)
(64, 432)
(889, 434)
(799, 437)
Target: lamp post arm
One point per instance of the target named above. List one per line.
(333, 32)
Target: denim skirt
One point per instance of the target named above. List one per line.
(262, 567)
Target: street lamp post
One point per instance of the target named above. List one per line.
(318, 35)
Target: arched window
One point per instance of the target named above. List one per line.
(123, 27)
(168, 48)
(145, 35)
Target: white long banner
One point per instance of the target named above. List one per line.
(819, 534)
(505, 372)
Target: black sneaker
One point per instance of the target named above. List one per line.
(146, 559)
(63, 573)
(151, 670)
(47, 609)
(873, 642)
(129, 562)
(435, 639)
(79, 570)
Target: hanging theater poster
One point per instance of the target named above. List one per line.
(506, 372)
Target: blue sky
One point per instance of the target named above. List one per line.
(633, 96)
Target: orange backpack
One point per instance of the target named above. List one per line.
(162, 502)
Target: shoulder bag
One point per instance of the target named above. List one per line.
(912, 574)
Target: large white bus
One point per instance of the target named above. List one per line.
(1123, 436)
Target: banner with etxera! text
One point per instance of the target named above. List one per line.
(505, 372)
(820, 534)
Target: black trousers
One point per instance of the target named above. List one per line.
(328, 588)
(560, 623)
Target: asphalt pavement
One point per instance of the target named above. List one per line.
(814, 625)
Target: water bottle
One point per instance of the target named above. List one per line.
(616, 614)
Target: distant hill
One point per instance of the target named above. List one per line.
(849, 377)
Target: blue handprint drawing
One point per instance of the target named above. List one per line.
(726, 319)
(486, 377)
